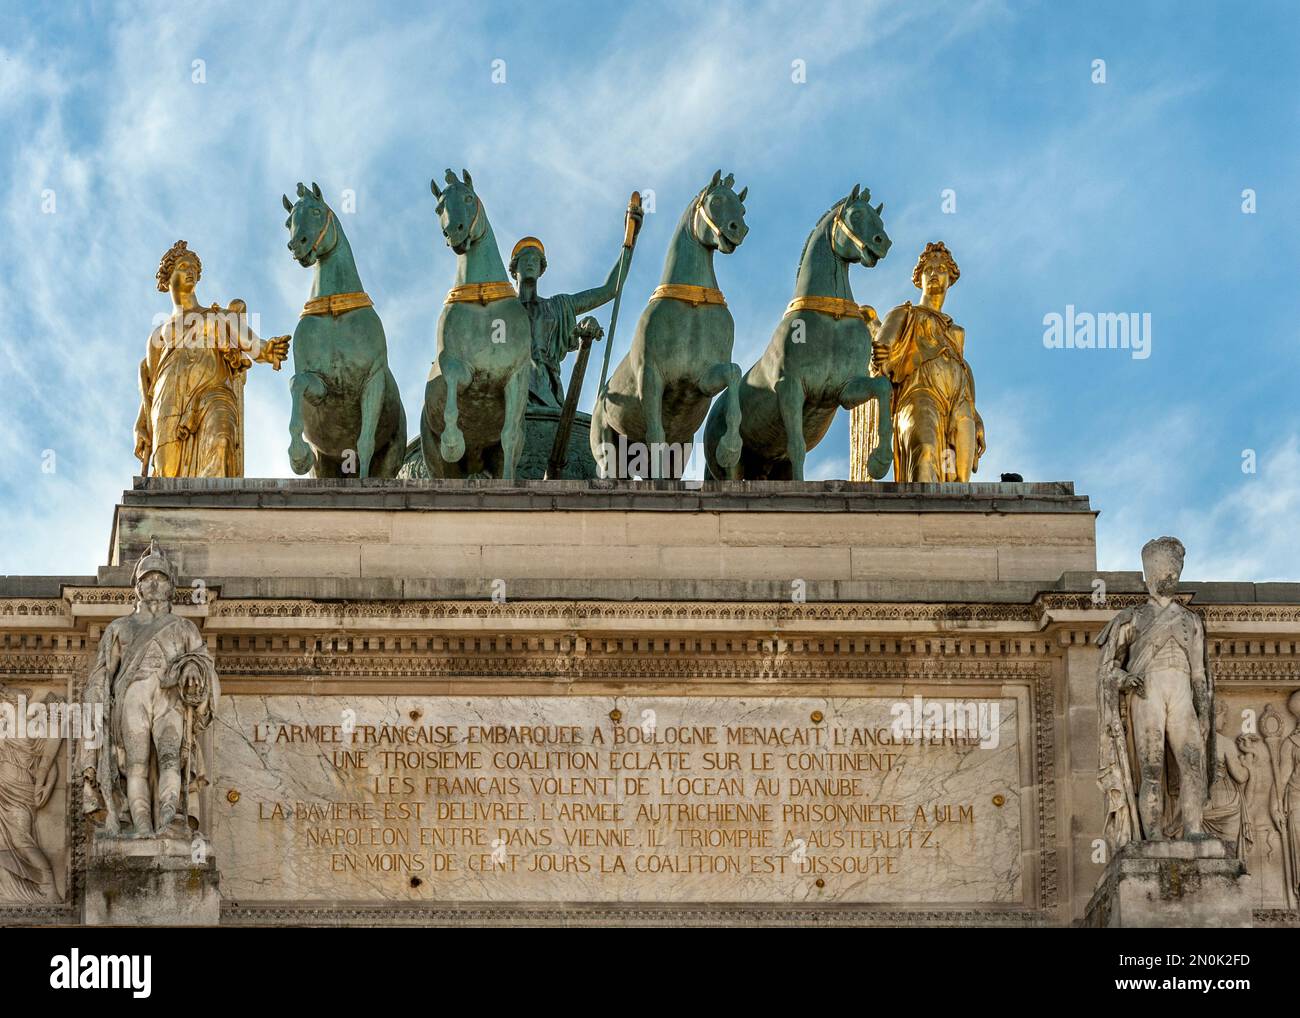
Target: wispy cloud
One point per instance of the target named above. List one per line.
(1062, 191)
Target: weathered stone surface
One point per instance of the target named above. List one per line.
(680, 801)
(691, 631)
(773, 532)
(736, 496)
(33, 795)
(1172, 885)
(151, 882)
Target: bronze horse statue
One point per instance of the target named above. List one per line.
(817, 360)
(346, 418)
(680, 358)
(474, 401)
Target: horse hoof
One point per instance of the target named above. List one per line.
(452, 447)
(728, 453)
(878, 466)
(300, 457)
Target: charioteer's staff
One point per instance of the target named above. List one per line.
(631, 227)
(586, 336)
(588, 331)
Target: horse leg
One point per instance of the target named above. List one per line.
(790, 399)
(489, 464)
(860, 390)
(650, 385)
(718, 378)
(601, 438)
(372, 401)
(327, 465)
(433, 463)
(512, 431)
(457, 375)
(712, 472)
(309, 386)
(778, 471)
(393, 453)
(435, 397)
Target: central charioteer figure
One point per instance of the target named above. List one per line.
(554, 318)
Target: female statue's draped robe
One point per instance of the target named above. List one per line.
(28, 772)
(934, 393)
(192, 392)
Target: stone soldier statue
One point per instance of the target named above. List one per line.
(192, 379)
(553, 318)
(158, 686)
(1155, 657)
(938, 433)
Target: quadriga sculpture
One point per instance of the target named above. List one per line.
(474, 401)
(680, 358)
(347, 417)
(816, 362)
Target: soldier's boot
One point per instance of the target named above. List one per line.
(169, 789)
(138, 799)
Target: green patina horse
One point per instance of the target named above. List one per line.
(680, 358)
(474, 401)
(345, 400)
(816, 361)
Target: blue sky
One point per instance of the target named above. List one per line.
(1124, 196)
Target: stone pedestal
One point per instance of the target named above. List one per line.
(150, 882)
(864, 541)
(1172, 884)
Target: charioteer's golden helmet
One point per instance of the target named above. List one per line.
(936, 251)
(153, 561)
(524, 243)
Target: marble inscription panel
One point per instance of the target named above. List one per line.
(673, 799)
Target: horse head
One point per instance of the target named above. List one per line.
(313, 230)
(718, 215)
(857, 231)
(460, 211)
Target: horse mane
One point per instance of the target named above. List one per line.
(816, 230)
(691, 205)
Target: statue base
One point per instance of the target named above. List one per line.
(1171, 884)
(540, 424)
(150, 882)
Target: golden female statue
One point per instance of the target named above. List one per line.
(938, 433)
(192, 379)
